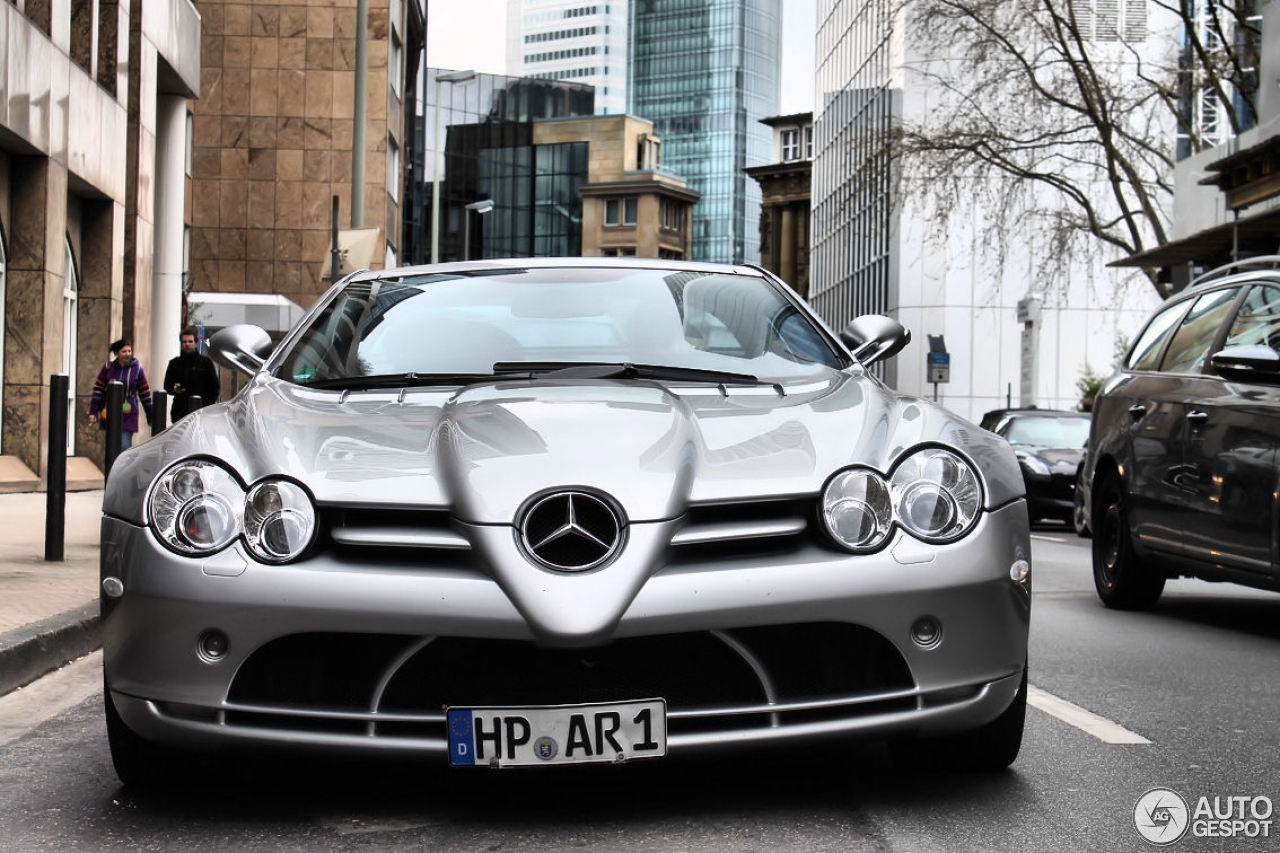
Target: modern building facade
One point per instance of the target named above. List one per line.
(786, 190)
(705, 74)
(1012, 335)
(93, 152)
(1227, 198)
(530, 171)
(583, 41)
(485, 126)
(277, 137)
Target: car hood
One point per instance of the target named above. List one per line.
(481, 451)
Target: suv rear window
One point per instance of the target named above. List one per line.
(1191, 343)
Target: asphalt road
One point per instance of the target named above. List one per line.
(1197, 679)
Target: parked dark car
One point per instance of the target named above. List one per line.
(1049, 444)
(1182, 474)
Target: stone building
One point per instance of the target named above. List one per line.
(277, 136)
(93, 130)
(785, 187)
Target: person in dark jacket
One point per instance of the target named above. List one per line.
(190, 374)
(127, 370)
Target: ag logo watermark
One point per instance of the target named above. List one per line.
(1162, 816)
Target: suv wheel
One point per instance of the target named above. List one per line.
(1124, 580)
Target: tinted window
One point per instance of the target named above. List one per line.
(1055, 432)
(1191, 342)
(1258, 320)
(1146, 353)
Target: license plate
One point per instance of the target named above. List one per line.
(557, 734)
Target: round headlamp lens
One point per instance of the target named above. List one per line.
(936, 495)
(194, 507)
(206, 522)
(279, 520)
(857, 509)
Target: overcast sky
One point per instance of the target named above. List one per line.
(472, 34)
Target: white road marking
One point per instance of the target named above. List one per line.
(48, 696)
(1044, 538)
(1087, 721)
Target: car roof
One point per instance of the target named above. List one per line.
(553, 263)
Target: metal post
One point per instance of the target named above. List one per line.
(466, 234)
(360, 114)
(115, 414)
(55, 499)
(437, 157)
(335, 257)
(159, 412)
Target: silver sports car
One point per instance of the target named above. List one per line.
(550, 511)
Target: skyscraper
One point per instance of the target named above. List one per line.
(571, 40)
(705, 72)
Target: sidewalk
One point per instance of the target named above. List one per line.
(48, 611)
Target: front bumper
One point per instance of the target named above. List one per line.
(166, 690)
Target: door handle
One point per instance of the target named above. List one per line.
(1136, 411)
(1197, 417)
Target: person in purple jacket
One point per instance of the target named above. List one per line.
(127, 370)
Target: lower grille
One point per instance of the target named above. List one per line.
(397, 687)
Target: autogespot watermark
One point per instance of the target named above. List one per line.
(1164, 816)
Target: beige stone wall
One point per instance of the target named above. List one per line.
(273, 134)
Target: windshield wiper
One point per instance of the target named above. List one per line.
(397, 380)
(619, 370)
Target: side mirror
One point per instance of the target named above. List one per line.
(873, 337)
(241, 347)
(1256, 362)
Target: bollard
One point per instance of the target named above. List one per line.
(159, 417)
(115, 415)
(55, 497)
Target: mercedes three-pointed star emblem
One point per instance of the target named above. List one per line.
(571, 531)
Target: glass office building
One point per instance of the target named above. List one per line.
(705, 72)
(486, 124)
(580, 40)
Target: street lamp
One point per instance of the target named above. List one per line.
(442, 77)
(479, 208)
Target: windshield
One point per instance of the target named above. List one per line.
(458, 326)
(1049, 432)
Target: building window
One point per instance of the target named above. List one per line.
(670, 255)
(394, 62)
(621, 211)
(808, 142)
(393, 169)
(790, 145)
(619, 252)
(671, 214)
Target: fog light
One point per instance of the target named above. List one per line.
(1020, 571)
(213, 645)
(926, 632)
(113, 587)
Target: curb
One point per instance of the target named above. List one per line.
(31, 651)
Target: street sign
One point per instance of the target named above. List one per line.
(939, 367)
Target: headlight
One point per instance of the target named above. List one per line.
(1034, 464)
(857, 510)
(279, 520)
(935, 494)
(195, 507)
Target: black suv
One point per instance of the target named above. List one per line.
(1181, 470)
